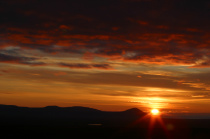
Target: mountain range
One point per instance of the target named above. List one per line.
(76, 115)
(83, 122)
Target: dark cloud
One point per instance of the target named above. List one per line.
(11, 56)
(159, 32)
(8, 58)
(85, 66)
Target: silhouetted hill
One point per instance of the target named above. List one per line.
(72, 109)
(82, 122)
(76, 115)
(134, 111)
(12, 110)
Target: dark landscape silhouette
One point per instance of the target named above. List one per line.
(83, 122)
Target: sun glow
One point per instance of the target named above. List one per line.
(155, 111)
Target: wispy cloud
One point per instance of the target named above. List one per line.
(85, 66)
(18, 59)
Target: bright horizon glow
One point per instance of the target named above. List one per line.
(155, 111)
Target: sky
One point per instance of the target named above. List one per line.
(107, 54)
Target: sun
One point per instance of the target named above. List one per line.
(155, 111)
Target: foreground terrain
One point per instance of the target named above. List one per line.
(80, 122)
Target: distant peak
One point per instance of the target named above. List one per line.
(134, 111)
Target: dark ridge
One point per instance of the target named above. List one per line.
(2, 106)
(82, 109)
(134, 110)
(71, 109)
(67, 113)
(82, 122)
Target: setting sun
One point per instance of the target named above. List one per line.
(155, 111)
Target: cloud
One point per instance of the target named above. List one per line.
(108, 78)
(151, 36)
(165, 49)
(201, 95)
(60, 73)
(20, 60)
(202, 63)
(11, 55)
(85, 66)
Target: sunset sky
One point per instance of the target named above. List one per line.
(106, 54)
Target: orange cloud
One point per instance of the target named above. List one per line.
(59, 73)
